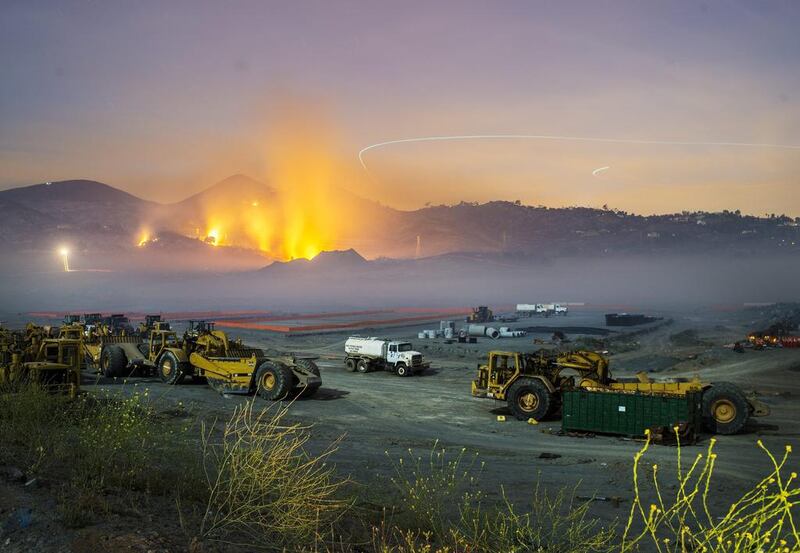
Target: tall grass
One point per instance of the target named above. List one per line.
(265, 490)
(444, 510)
(31, 420)
(250, 482)
(760, 521)
(93, 444)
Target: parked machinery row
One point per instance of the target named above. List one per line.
(201, 352)
(534, 385)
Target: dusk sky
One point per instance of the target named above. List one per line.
(165, 98)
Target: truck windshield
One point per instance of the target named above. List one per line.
(404, 347)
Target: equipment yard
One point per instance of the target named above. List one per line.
(382, 415)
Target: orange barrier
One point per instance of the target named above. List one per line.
(365, 323)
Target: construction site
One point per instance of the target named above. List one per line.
(563, 399)
(399, 277)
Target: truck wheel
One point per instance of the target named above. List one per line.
(401, 369)
(362, 366)
(529, 398)
(273, 381)
(725, 408)
(169, 369)
(350, 364)
(310, 390)
(113, 362)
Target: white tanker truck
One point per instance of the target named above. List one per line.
(369, 354)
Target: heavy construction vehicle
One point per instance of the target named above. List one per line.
(53, 363)
(481, 314)
(531, 385)
(111, 344)
(136, 354)
(369, 354)
(231, 367)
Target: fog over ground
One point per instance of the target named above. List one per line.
(675, 281)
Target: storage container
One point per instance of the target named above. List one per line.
(628, 414)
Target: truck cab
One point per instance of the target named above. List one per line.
(403, 352)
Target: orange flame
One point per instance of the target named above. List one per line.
(296, 220)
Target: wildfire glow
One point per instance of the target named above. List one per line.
(213, 237)
(144, 238)
(298, 220)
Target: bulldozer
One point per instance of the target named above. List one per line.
(53, 363)
(231, 367)
(531, 384)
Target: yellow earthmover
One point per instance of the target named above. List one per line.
(531, 385)
(231, 367)
(116, 349)
(37, 357)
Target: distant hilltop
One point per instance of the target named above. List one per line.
(100, 217)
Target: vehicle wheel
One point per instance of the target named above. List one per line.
(310, 390)
(362, 366)
(402, 369)
(529, 398)
(273, 381)
(555, 407)
(725, 408)
(169, 369)
(350, 364)
(113, 362)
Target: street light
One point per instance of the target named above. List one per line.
(65, 258)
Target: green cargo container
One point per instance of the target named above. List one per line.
(628, 414)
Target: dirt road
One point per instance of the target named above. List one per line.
(382, 416)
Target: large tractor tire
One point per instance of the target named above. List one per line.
(273, 381)
(113, 362)
(529, 398)
(310, 390)
(170, 369)
(350, 364)
(362, 366)
(725, 408)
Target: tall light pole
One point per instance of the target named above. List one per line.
(65, 258)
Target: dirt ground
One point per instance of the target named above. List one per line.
(382, 416)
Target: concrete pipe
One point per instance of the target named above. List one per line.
(481, 330)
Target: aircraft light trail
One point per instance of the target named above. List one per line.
(568, 139)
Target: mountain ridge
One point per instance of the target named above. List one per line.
(86, 211)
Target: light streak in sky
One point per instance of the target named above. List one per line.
(599, 170)
(568, 139)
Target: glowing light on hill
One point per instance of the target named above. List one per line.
(64, 252)
(213, 236)
(144, 238)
